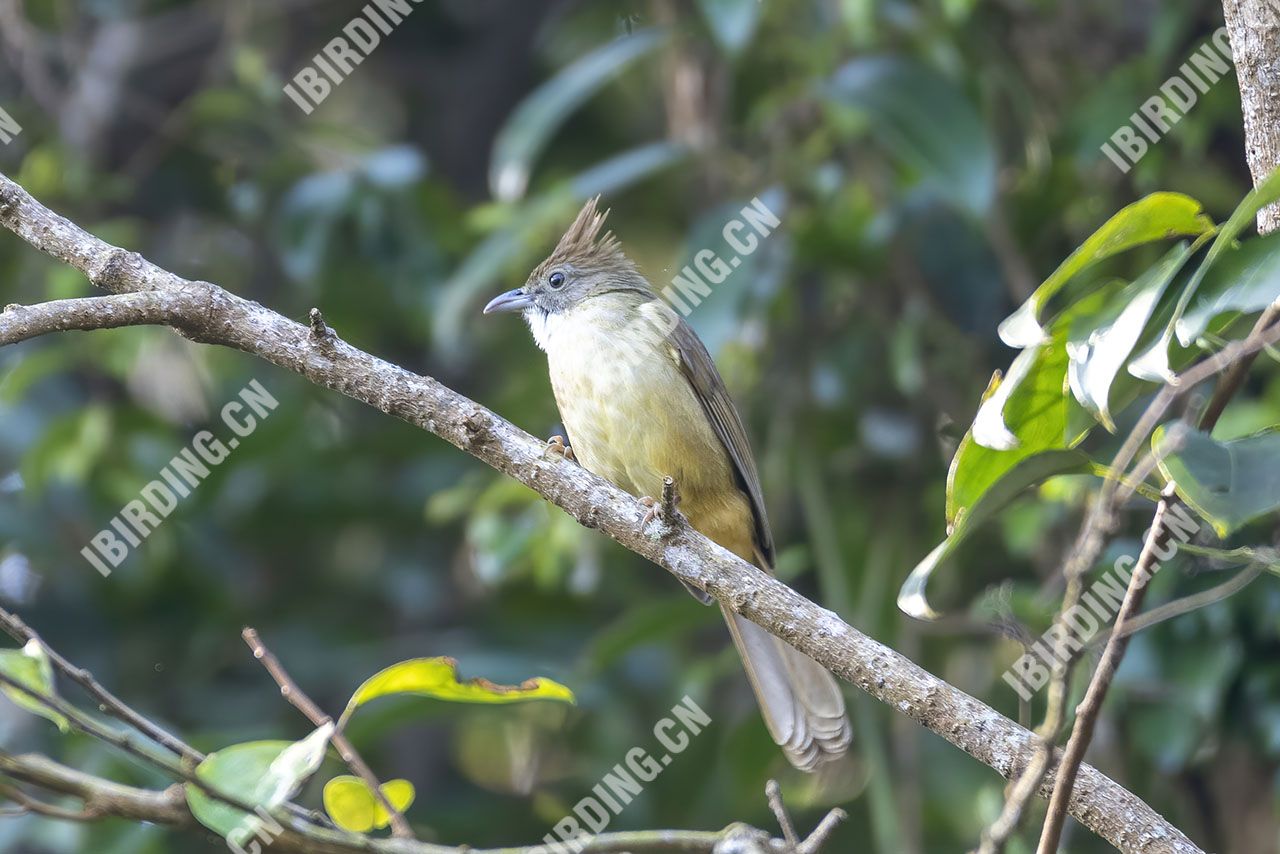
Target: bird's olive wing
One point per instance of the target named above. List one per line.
(697, 365)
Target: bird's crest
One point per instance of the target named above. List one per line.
(584, 245)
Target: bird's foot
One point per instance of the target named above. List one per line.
(557, 446)
(653, 511)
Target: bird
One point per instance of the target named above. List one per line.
(641, 400)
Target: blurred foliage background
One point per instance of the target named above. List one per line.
(931, 161)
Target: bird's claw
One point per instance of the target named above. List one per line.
(653, 511)
(556, 445)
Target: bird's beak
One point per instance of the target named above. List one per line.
(516, 300)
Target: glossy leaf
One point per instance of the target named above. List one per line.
(1228, 483)
(926, 121)
(1027, 418)
(1032, 470)
(1037, 412)
(1159, 216)
(531, 126)
(438, 678)
(260, 773)
(1153, 364)
(31, 668)
(1027, 412)
(353, 806)
(1097, 355)
(1246, 280)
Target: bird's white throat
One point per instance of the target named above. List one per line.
(543, 325)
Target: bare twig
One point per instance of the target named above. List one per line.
(209, 314)
(106, 798)
(773, 793)
(1256, 51)
(820, 833)
(1187, 604)
(107, 702)
(1099, 523)
(322, 332)
(121, 740)
(300, 701)
(668, 510)
(27, 804)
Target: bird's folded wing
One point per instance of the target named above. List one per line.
(698, 367)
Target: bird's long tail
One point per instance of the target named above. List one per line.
(800, 701)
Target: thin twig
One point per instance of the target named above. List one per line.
(1091, 707)
(773, 794)
(207, 313)
(169, 807)
(820, 833)
(1185, 605)
(28, 804)
(122, 741)
(107, 702)
(290, 691)
(1099, 523)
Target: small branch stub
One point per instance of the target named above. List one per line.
(667, 510)
(321, 332)
(289, 689)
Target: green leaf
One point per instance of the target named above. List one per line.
(1153, 364)
(30, 667)
(260, 773)
(1037, 468)
(438, 678)
(1245, 281)
(353, 806)
(1228, 483)
(1036, 409)
(1097, 354)
(1027, 412)
(923, 119)
(732, 22)
(538, 116)
(1022, 435)
(1159, 216)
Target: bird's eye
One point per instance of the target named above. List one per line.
(556, 280)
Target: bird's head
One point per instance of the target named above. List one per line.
(585, 264)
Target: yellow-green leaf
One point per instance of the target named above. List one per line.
(264, 774)
(438, 678)
(30, 668)
(1159, 216)
(352, 805)
(1228, 483)
(1153, 364)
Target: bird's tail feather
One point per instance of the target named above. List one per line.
(801, 702)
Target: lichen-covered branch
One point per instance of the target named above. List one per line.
(101, 798)
(206, 313)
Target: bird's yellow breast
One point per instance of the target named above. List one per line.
(633, 418)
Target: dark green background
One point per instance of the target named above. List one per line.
(857, 342)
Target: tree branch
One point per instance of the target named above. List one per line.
(1256, 51)
(209, 314)
(104, 798)
(108, 702)
(300, 701)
